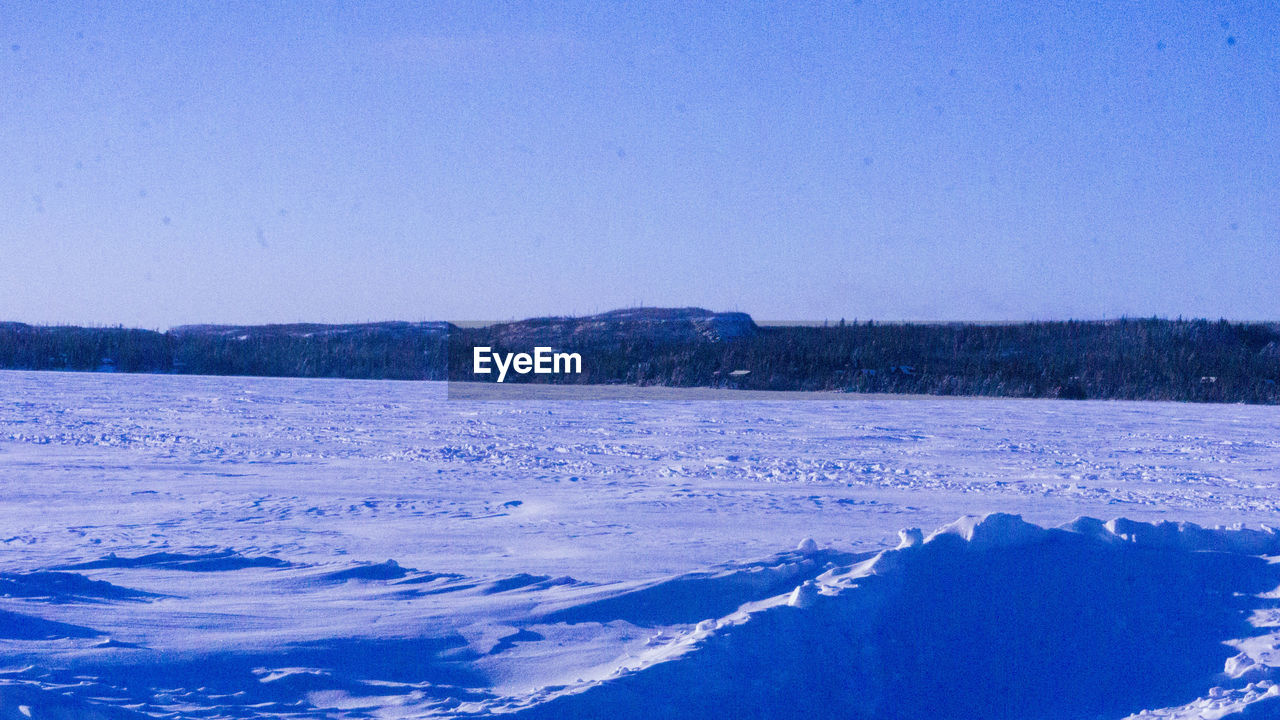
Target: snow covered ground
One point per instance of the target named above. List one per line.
(263, 548)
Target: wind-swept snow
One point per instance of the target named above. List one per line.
(237, 547)
(990, 617)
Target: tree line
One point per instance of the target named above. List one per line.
(1132, 359)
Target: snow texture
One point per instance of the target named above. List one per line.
(264, 548)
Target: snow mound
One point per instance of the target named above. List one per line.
(988, 617)
(991, 531)
(909, 537)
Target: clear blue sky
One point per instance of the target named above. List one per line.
(256, 162)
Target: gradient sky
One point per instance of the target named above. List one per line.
(259, 162)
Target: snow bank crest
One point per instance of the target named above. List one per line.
(990, 531)
(1005, 530)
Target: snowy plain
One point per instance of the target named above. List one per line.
(272, 548)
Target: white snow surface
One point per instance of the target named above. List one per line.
(284, 548)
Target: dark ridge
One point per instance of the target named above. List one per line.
(308, 330)
(525, 581)
(618, 327)
(64, 587)
(16, 626)
(389, 570)
(217, 561)
(1128, 359)
(507, 642)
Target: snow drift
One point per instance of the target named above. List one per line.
(991, 617)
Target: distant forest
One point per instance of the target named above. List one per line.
(1132, 359)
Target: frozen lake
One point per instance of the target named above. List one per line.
(251, 547)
